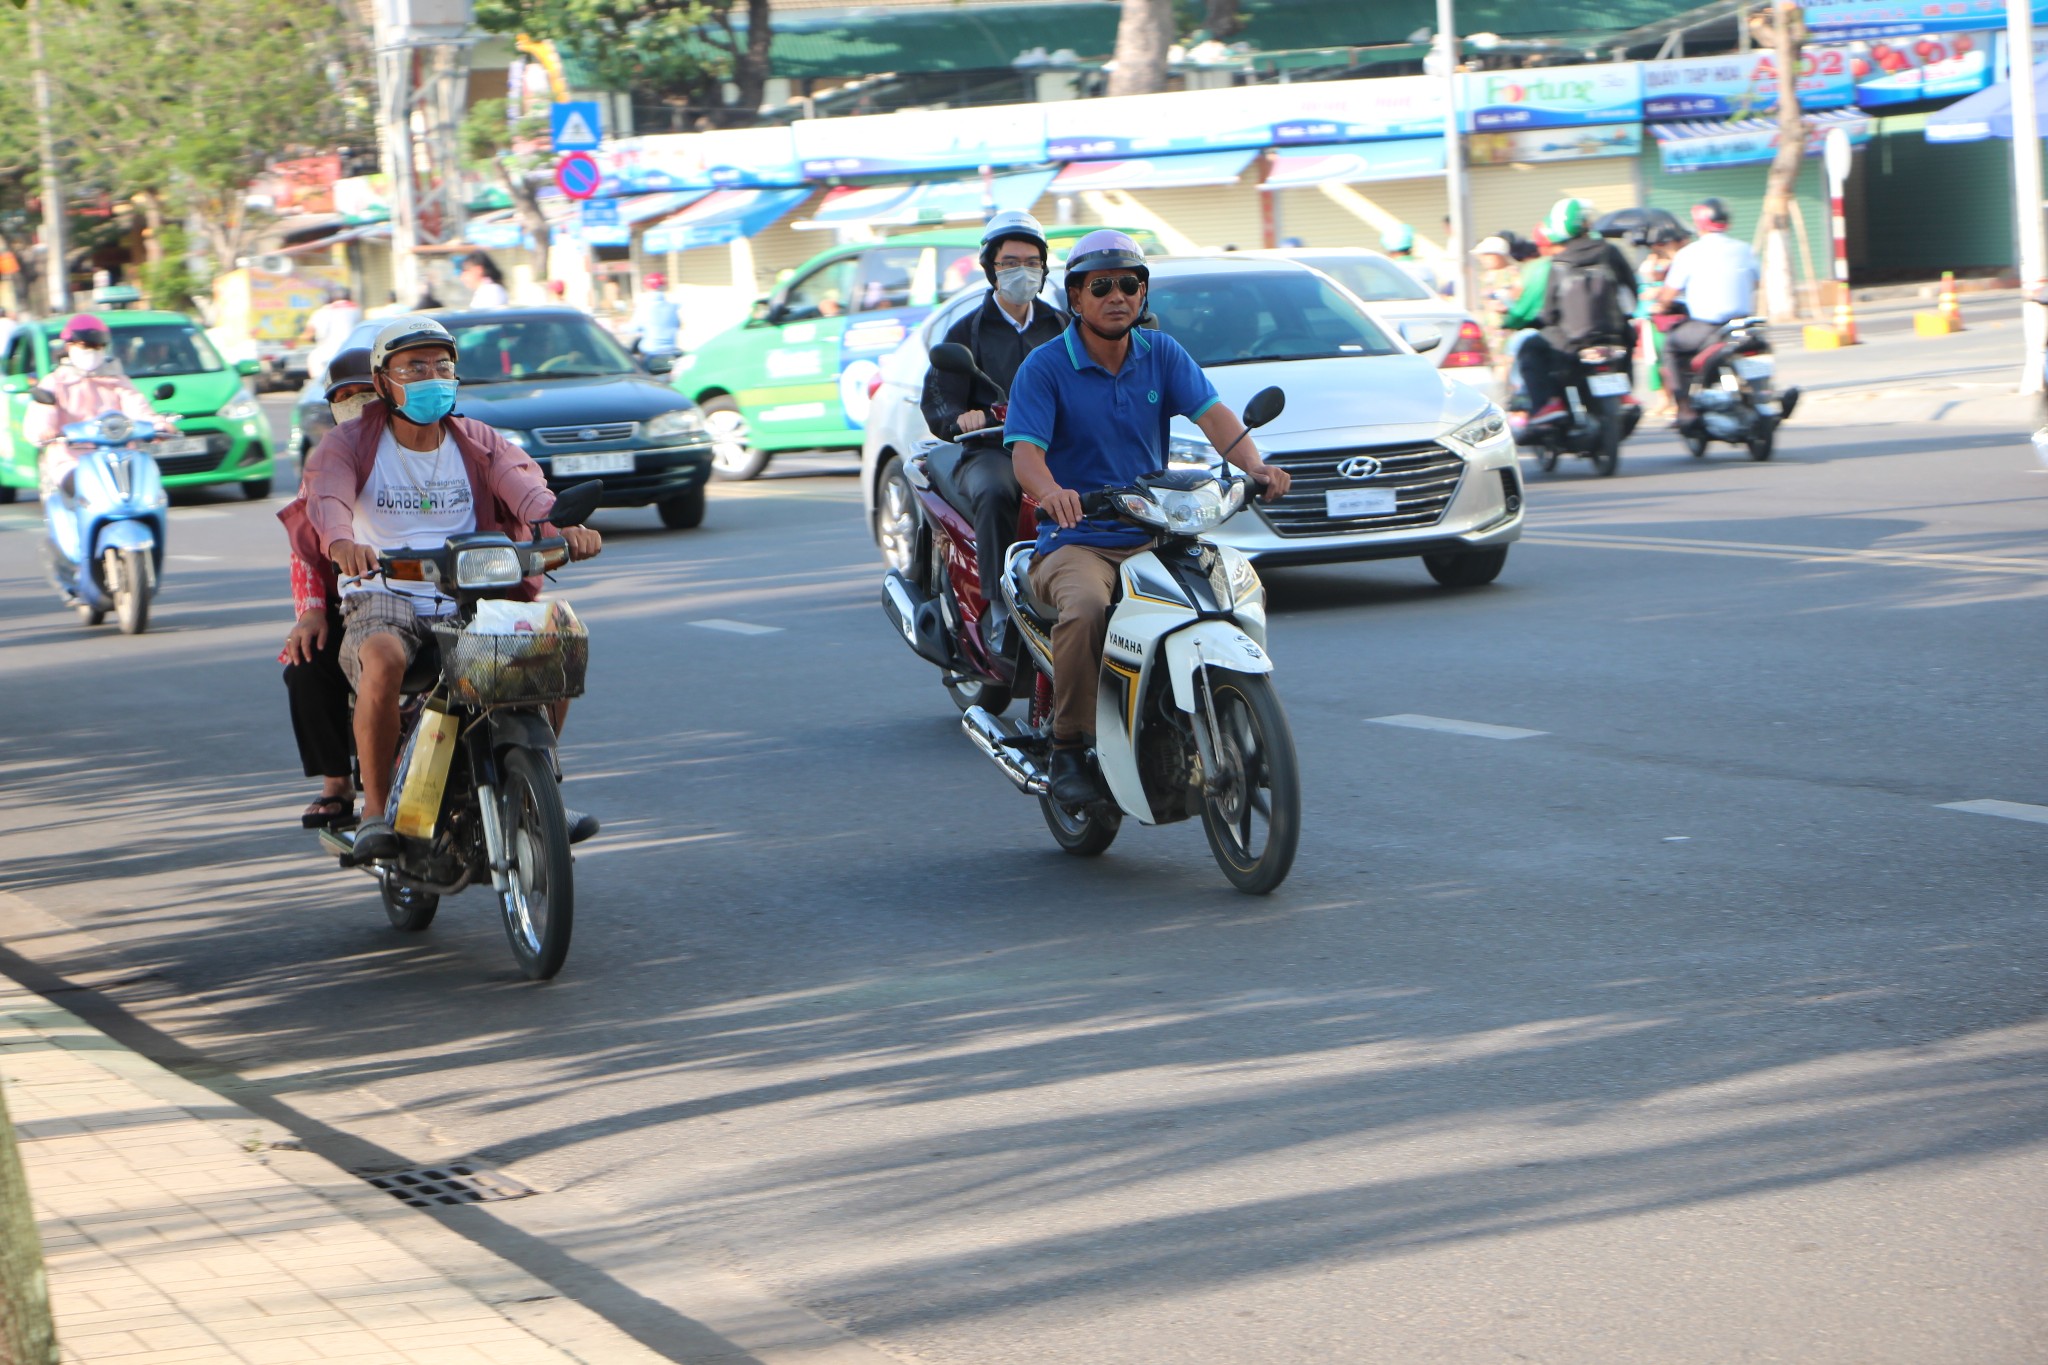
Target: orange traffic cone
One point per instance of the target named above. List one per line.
(1950, 309)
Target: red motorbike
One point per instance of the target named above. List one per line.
(940, 605)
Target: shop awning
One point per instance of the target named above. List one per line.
(1154, 172)
(1712, 143)
(1353, 163)
(720, 217)
(1986, 114)
(932, 201)
(633, 210)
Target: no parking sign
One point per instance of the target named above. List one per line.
(578, 175)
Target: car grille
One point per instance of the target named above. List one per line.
(1424, 476)
(583, 436)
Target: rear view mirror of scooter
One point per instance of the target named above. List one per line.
(1266, 404)
(950, 357)
(573, 506)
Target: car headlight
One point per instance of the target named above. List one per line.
(517, 438)
(492, 566)
(671, 426)
(242, 408)
(1489, 425)
(1190, 451)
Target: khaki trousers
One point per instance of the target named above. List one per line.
(1077, 581)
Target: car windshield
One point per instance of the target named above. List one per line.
(499, 351)
(1238, 317)
(1372, 279)
(149, 349)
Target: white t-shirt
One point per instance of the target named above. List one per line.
(490, 294)
(1716, 276)
(413, 500)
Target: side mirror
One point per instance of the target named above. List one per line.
(248, 369)
(14, 383)
(950, 357)
(573, 506)
(1266, 404)
(164, 390)
(657, 364)
(1423, 336)
(39, 394)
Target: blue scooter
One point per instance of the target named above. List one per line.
(104, 533)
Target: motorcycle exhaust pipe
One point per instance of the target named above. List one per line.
(916, 618)
(988, 735)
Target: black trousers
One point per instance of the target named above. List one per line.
(319, 696)
(990, 483)
(1681, 344)
(1541, 370)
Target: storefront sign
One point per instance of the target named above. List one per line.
(1934, 67)
(1553, 144)
(1551, 97)
(1839, 20)
(914, 143)
(1751, 142)
(738, 158)
(1245, 117)
(1739, 85)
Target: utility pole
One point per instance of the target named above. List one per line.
(1454, 157)
(422, 72)
(2026, 188)
(56, 250)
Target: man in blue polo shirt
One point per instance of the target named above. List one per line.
(1087, 412)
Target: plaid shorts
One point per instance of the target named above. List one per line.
(365, 614)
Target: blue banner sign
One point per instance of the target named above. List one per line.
(1739, 85)
(913, 143)
(1838, 20)
(1248, 117)
(1551, 97)
(737, 158)
(1748, 142)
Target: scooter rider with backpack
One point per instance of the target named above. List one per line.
(1011, 323)
(1581, 295)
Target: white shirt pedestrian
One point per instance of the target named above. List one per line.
(1716, 276)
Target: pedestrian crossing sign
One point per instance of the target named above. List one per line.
(576, 126)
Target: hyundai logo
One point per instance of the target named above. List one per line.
(587, 434)
(1359, 467)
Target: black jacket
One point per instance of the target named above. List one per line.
(999, 348)
(1591, 253)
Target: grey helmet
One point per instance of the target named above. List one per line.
(1105, 249)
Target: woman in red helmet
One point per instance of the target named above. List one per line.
(84, 384)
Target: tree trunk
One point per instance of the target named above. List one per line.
(1142, 36)
(1781, 294)
(152, 205)
(750, 71)
(527, 201)
(1222, 20)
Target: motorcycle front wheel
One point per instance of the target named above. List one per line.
(1252, 809)
(128, 580)
(539, 902)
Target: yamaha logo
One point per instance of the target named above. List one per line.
(1359, 467)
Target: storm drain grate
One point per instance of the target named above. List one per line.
(457, 1183)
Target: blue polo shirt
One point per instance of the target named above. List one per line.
(1101, 430)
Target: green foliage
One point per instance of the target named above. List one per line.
(679, 49)
(171, 282)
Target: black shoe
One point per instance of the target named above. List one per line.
(1070, 781)
(582, 824)
(376, 839)
(1787, 401)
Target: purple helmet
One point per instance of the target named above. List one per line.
(1106, 249)
(87, 330)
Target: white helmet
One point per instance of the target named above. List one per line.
(1010, 224)
(404, 333)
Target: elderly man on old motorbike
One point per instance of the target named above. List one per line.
(1090, 412)
(406, 474)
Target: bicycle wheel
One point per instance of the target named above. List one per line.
(539, 902)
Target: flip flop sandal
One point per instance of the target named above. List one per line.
(327, 811)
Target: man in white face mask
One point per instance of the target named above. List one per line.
(84, 384)
(1011, 323)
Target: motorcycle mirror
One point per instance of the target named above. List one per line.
(165, 390)
(39, 394)
(1266, 404)
(573, 506)
(950, 357)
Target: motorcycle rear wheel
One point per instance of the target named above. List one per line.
(407, 907)
(1260, 780)
(1606, 454)
(1546, 458)
(539, 903)
(1086, 833)
(1696, 442)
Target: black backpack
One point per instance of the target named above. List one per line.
(1586, 302)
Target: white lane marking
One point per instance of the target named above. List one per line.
(195, 559)
(1475, 728)
(198, 514)
(2009, 810)
(735, 627)
(1807, 554)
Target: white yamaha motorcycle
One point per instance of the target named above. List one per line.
(1186, 719)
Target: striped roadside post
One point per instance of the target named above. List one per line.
(1837, 153)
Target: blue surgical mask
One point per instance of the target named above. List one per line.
(427, 401)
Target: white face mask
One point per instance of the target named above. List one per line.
(350, 408)
(1019, 284)
(86, 359)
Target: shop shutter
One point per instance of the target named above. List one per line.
(1516, 197)
(1916, 210)
(1741, 188)
(1209, 217)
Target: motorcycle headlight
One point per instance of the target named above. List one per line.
(517, 438)
(242, 408)
(1240, 579)
(488, 566)
(681, 424)
(1190, 511)
(1189, 452)
(1489, 425)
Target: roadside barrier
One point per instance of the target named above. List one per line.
(1948, 314)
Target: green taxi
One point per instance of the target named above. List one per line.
(800, 373)
(222, 436)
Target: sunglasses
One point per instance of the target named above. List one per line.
(1127, 285)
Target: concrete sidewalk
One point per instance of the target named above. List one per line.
(179, 1227)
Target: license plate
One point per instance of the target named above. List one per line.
(611, 462)
(180, 445)
(1607, 385)
(1359, 502)
(1756, 366)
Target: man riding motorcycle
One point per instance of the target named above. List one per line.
(1091, 413)
(1580, 294)
(83, 387)
(1715, 279)
(407, 474)
(1008, 326)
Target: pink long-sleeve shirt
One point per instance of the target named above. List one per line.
(80, 398)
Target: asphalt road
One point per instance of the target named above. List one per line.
(1690, 1028)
